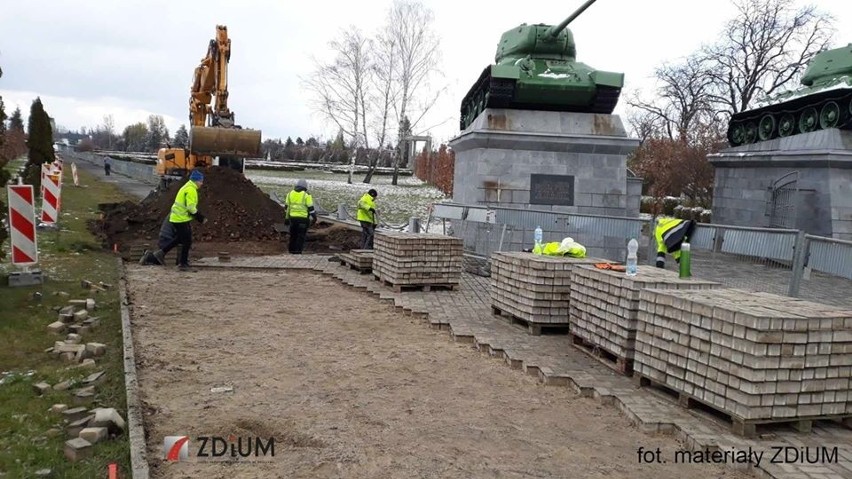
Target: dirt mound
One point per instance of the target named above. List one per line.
(236, 211)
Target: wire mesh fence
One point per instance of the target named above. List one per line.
(773, 260)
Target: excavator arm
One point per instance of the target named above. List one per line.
(212, 128)
(211, 80)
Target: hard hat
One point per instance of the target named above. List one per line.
(302, 183)
(566, 243)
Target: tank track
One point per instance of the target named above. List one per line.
(786, 119)
(490, 92)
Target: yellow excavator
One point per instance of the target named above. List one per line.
(214, 138)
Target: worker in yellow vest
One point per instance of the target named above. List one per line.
(568, 247)
(184, 210)
(298, 208)
(367, 217)
(670, 234)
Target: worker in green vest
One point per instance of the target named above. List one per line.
(299, 214)
(670, 234)
(367, 217)
(568, 247)
(184, 210)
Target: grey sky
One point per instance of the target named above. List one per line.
(131, 58)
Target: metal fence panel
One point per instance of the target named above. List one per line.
(760, 244)
(830, 256)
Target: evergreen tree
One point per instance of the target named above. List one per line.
(16, 122)
(39, 142)
(4, 175)
(181, 139)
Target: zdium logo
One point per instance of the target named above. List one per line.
(219, 448)
(176, 448)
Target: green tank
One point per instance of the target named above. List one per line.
(536, 69)
(823, 101)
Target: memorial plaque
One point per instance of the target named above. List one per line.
(552, 190)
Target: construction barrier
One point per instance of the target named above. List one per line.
(74, 174)
(22, 225)
(50, 200)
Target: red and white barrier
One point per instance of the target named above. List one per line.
(22, 225)
(51, 194)
(74, 174)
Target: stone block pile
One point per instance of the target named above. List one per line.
(417, 259)
(360, 259)
(534, 288)
(757, 357)
(604, 307)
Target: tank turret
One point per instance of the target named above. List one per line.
(824, 100)
(536, 68)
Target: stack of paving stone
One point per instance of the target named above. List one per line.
(605, 305)
(534, 288)
(757, 357)
(417, 259)
(360, 259)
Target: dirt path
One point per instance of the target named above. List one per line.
(351, 389)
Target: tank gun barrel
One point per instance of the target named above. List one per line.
(554, 30)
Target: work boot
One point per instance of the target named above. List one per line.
(160, 257)
(187, 269)
(144, 259)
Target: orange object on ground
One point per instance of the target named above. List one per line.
(613, 267)
(113, 471)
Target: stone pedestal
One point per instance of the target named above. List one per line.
(801, 181)
(555, 161)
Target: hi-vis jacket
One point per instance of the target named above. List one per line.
(365, 204)
(186, 203)
(299, 204)
(575, 250)
(670, 234)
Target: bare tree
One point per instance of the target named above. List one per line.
(384, 95)
(683, 98)
(340, 87)
(409, 27)
(109, 129)
(764, 48)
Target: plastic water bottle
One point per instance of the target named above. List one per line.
(632, 247)
(538, 237)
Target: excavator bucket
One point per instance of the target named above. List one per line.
(217, 141)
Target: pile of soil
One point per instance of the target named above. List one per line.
(236, 211)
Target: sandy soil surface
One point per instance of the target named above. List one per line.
(351, 389)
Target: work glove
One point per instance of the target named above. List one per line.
(313, 220)
(199, 217)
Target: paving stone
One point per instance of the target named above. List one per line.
(417, 259)
(534, 288)
(77, 449)
(41, 388)
(94, 435)
(96, 349)
(56, 327)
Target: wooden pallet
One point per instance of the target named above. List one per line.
(603, 355)
(534, 328)
(748, 428)
(426, 287)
